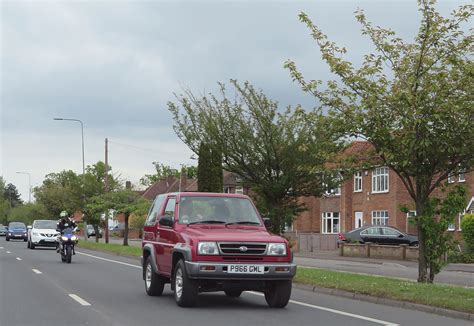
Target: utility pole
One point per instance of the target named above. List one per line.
(106, 181)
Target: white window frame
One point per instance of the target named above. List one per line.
(452, 227)
(358, 181)
(380, 180)
(239, 190)
(330, 216)
(462, 176)
(410, 214)
(226, 190)
(383, 216)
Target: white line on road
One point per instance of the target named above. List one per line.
(378, 321)
(79, 299)
(110, 260)
(9, 252)
(36, 271)
(18, 258)
(1, 247)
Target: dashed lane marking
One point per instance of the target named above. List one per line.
(79, 299)
(9, 252)
(18, 258)
(36, 271)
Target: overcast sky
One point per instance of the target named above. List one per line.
(115, 64)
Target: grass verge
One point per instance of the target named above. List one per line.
(112, 247)
(437, 295)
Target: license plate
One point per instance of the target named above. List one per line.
(18, 235)
(246, 269)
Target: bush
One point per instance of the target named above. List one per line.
(467, 233)
(462, 258)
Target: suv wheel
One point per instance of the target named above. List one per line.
(28, 245)
(278, 295)
(233, 293)
(185, 290)
(32, 245)
(154, 283)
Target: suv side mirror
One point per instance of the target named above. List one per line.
(267, 222)
(166, 221)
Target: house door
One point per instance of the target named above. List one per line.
(358, 219)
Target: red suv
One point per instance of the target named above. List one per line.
(204, 242)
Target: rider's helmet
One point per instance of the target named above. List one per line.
(63, 214)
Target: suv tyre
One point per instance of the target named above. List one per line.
(185, 290)
(278, 295)
(154, 283)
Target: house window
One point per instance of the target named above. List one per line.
(461, 176)
(330, 222)
(239, 190)
(358, 182)
(380, 217)
(451, 178)
(380, 180)
(451, 227)
(334, 192)
(227, 190)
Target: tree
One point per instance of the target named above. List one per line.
(29, 212)
(125, 202)
(164, 171)
(412, 101)
(4, 204)
(279, 154)
(467, 226)
(11, 195)
(209, 172)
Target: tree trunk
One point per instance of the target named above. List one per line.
(125, 231)
(422, 263)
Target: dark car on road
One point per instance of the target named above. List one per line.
(3, 230)
(379, 234)
(17, 230)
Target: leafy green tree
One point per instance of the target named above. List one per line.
(125, 202)
(4, 204)
(210, 176)
(412, 101)
(29, 212)
(163, 171)
(279, 154)
(11, 195)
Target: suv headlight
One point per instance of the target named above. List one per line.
(276, 249)
(35, 233)
(207, 248)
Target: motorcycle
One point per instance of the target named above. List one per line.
(67, 241)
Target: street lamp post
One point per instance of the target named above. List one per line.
(29, 184)
(83, 162)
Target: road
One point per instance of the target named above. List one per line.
(36, 288)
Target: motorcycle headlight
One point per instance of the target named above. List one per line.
(207, 248)
(276, 249)
(64, 238)
(73, 238)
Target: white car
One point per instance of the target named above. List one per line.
(43, 233)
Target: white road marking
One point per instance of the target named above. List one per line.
(9, 252)
(18, 258)
(110, 260)
(1, 247)
(79, 299)
(373, 320)
(378, 321)
(36, 271)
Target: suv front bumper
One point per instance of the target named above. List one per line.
(199, 270)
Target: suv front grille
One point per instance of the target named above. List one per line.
(242, 248)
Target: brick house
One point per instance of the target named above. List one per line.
(372, 196)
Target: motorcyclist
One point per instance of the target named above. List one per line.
(63, 223)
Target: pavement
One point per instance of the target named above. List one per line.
(453, 274)
(36, 288)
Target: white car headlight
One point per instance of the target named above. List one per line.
(35, 233)
(64, 238)
(276, 249)
(207, 248)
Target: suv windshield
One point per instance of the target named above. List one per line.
(16, 225)
(44, 225)
(217, 210)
